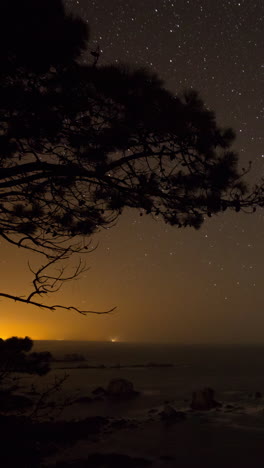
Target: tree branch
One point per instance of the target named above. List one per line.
(56, 306)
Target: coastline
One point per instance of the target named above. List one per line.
(229, 436)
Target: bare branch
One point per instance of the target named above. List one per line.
(42, 407)
(46, 283)
(54, 307)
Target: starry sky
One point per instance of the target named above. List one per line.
(175, 285)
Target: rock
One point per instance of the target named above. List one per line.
(171, 415)
(98, 391)
(166, 458)
(119, 424)
(98, 398)
(120, 388)
(84, 399)
(168, 412)
(255, 396)
(152, 411)
(230, 407)
(203, 400)
(73, 357)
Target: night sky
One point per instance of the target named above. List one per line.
(177, 285)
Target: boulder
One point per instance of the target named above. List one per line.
(152, 411)
(99, 391)
(170, 414)
(230, 407)
(203, 400)
(83, 400)
(73, 357)
(120, 388)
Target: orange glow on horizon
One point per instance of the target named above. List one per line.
(21, 330)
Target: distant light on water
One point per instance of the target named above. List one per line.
(114, 340)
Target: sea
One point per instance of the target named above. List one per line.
(162, 373)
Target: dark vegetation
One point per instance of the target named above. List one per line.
(29, 431)
(112, 460)
(19, 446)
(80, 142)
(26, 442)
(16, 357)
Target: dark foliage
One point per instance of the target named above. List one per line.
(107, 460)
(25, 443)
(15, 356)
(33, 441)
(80, 143)
(36, 35)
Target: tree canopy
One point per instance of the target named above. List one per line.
(81, 142)
(15, 356)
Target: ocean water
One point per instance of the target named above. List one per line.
(234, 372)
(220, 437)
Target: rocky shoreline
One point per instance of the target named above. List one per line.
(164, 436)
